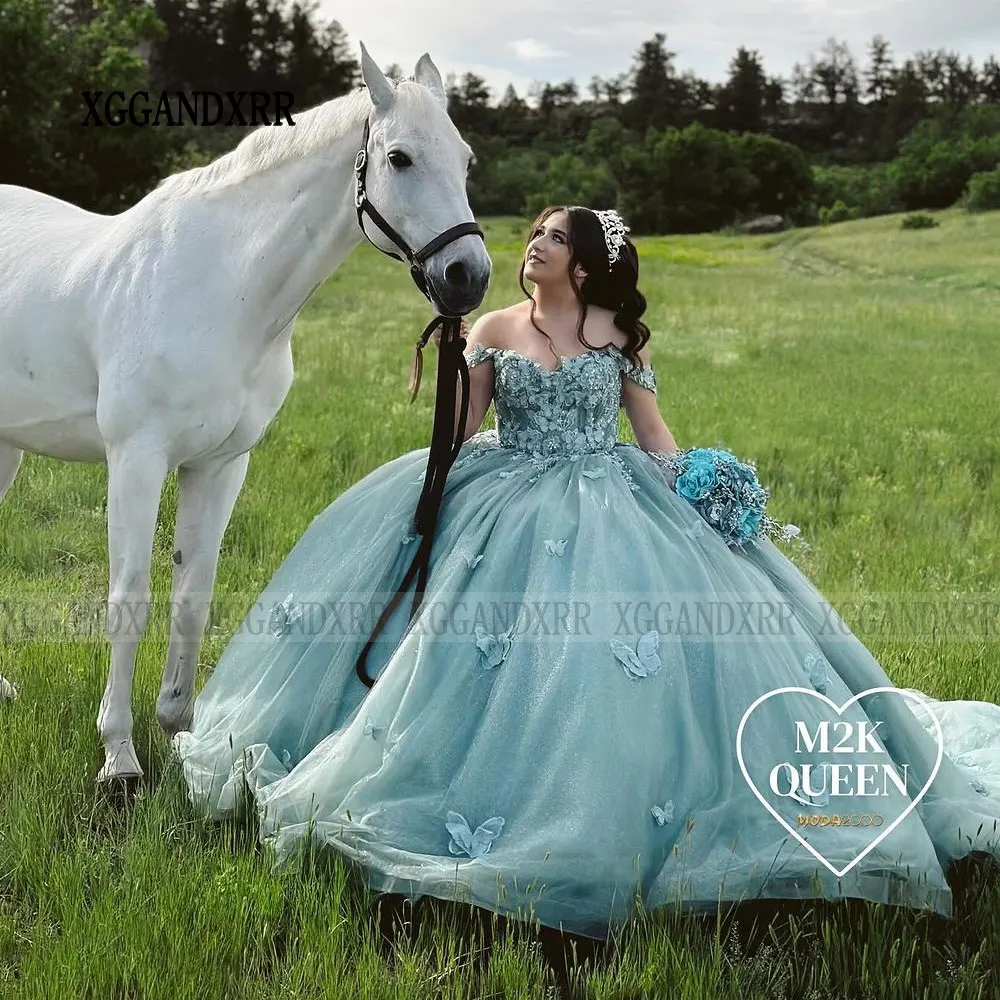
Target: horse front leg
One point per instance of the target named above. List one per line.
(207, 495)
(135, 481)
(10, 461)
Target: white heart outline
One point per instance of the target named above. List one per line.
(840, 711)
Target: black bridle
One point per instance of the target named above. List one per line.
(451, 367)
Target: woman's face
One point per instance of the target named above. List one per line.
(548, 253)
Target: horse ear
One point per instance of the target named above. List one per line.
(379, 87)
(427, 74)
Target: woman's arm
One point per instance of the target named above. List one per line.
(480, 375)
(651, 433)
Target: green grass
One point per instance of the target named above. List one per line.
(857, 364)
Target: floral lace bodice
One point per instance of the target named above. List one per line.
(567, 411)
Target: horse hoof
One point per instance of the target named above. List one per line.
(7, 690)
(121, 766)
(112, 780)
(121, 788)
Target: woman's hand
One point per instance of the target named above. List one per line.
(662, 459)
(436, 335)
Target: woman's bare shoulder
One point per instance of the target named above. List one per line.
(492, 329)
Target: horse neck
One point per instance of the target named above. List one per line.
(287, 227)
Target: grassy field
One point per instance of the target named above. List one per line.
(859, 366)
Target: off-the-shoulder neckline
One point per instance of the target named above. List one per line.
(564, 358)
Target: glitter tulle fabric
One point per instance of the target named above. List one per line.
(546, 740)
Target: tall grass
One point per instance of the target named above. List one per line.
(859, 367)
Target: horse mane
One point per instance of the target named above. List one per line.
(267, 147)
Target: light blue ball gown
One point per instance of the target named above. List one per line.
(531, 747)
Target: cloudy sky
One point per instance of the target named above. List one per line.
(518, 41)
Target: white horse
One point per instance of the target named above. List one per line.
(160, 338)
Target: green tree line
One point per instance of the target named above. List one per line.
(674, 152)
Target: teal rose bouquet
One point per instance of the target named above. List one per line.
(726, 493)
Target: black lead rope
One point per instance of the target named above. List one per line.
(442, 453)
(452, 366)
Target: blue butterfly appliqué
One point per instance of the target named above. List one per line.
(822, 798)
(283, 616)
(464, 841)
(555, 546)
(663, 814)
(815, 667)
(494, 647)
(695, 529)
(645, 660)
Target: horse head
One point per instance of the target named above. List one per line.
(416, 169)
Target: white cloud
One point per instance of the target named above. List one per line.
(531, 48)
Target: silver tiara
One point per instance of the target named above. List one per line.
(614, 232)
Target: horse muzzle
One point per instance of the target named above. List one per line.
(458, 276)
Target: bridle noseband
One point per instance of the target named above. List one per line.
(452, 366)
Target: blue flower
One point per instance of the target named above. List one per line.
(749, 522)
(697, 481)
(555, 546)
(702, 462)
(464, 841)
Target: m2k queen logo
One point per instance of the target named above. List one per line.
(829, 778)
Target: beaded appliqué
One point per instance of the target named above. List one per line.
(643, 376)
(550, 416)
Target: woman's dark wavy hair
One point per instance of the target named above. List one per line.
(612, 286)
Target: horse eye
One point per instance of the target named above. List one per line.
(399, 159)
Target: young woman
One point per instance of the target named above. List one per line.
(546, 739)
